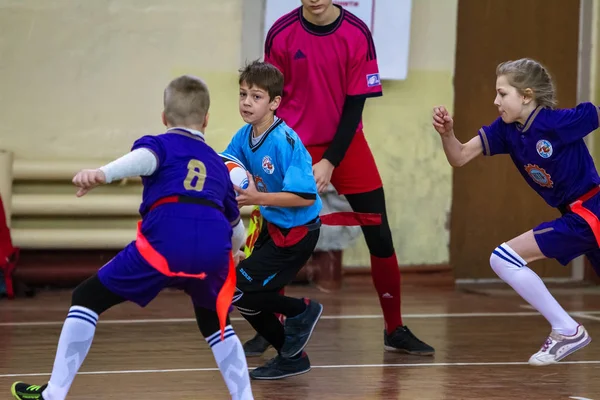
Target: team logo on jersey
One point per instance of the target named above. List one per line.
(539, 175)
(544, 148)
(373, 80)
(260, 184)
(267, 165)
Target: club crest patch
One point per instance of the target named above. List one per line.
(260, 184)
(539, 175)
(267, 165)
(544, 148)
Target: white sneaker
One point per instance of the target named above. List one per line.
(559, 346)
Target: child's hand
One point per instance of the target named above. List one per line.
(238, 257)
(249, 196)
(442, 121)
(322, 171)
(87, 179)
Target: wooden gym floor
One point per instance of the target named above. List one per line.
(483, 337)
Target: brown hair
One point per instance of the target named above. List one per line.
(186, 101)
(264, 76)
(526, 73)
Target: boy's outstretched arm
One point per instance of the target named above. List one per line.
(139, 162)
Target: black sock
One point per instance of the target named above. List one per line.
(269, 327)
(272, 302)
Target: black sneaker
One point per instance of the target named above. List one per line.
(280, 367)
(402, 340)
(299, 329)
(256, 346)
(25, 391)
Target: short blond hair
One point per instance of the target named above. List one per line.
(186, 101)
(526, 73)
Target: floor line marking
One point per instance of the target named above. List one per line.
(325, 317)
(585, 315)
(334, 366)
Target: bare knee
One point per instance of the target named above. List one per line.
(526, 247)
(515, 254)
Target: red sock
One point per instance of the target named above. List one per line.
(386, 278)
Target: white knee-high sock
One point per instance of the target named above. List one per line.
(231, 360)
(512, 269)
(73, 346)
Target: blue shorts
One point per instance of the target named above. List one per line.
(192, 245)
(569, 236)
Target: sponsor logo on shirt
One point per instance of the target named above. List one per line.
(544, 148)
(299, 55)
(373, 80)
(267, 165)
(539, 175)
(245, 274)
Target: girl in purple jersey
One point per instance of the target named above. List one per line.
(546, 145)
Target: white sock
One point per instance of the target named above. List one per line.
(73, 346)
(231, 360)
(512, 269)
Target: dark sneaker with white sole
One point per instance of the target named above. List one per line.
(402, 340)
(280, 367)
(299, 329)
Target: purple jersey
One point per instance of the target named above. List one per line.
(186, 166)
(549, 150)
(192, 239)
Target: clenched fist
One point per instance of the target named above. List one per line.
(87, 179)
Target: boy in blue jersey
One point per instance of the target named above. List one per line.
(184, 241)
(547, 147)
(282, 184)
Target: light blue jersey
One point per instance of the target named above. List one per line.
(279, 162)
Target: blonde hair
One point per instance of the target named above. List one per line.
(186, 101)
(526, 73)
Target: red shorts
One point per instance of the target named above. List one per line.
(357, 173)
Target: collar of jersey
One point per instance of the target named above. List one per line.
(274, 125)
(529, 122)
(321, 30)
(188, 130)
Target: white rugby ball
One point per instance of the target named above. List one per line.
(237, 170)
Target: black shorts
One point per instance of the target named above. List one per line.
(271, 267)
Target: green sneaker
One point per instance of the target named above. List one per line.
(25, 391)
